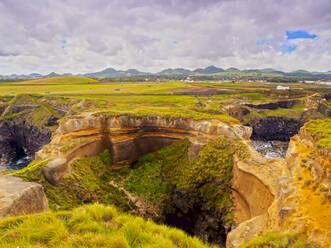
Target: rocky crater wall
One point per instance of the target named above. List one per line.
(129, 137)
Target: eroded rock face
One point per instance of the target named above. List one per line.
(19, 197)
(324, 109)
(265, 191)
(237, 112)
(130, 137)
(301, 190)
(252, 196)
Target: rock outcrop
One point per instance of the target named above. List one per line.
(301, 190)
(55, 170)
(254, 186)
(324, 108)
(19, 197)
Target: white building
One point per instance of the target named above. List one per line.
(279, 87)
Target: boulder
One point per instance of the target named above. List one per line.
(55, 170)
(18, 197)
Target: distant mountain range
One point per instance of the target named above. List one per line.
(212, 71)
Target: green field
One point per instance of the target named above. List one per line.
(73, 85)
(82, 85)
(175, 98)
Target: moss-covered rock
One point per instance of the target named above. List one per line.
(209, 175)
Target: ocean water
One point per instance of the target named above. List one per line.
(18, 164)
(271, 149)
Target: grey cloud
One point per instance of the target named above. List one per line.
(5, 54)
(154, 34)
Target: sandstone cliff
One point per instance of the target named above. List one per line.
(129, 137)
(301, 194)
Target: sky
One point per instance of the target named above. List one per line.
(80, 36)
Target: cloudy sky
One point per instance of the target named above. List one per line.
(89, 35)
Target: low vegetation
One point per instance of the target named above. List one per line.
(277, 240)
(90, 226)
(321, 130)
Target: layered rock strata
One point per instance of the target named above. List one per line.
(130, 137)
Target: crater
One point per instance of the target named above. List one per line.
(128, 138)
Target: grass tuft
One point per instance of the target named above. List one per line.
(277, 240)
(95, 226)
